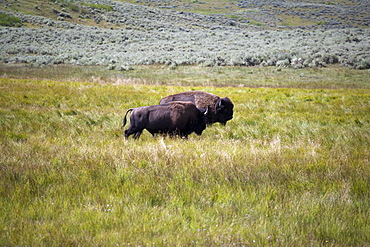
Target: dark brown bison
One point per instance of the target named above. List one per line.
(174, 118)
(220, 109)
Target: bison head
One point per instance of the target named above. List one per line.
(200, 122)
(224, 110)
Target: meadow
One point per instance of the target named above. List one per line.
(291, 169)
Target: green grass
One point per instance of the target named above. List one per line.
(291, 168)
(100, 6)
(256, 23)
(330, 77)
(10, 20)
(293, 21)
(207, 7)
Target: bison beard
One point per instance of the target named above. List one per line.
(175, 118)
(220, 109)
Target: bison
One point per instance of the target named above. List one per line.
(173, 118)
(220, 109)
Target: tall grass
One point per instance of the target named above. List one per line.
(291, 169)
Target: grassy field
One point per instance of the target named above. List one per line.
(333, 77)
(291, 169)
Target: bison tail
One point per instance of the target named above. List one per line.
(124, 119)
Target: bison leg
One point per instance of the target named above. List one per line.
(127, 134)
(185, 137)
(136, 133)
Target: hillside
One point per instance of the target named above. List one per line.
(210, 33)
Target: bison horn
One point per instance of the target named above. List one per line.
(206, 112)
(219, 104)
